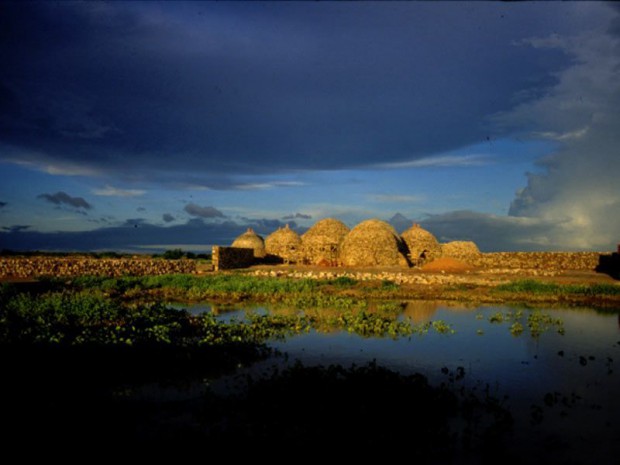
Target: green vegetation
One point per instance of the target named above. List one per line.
(199, 287)
(94, 317)
(536, 322)
(177, 254)
(530, 286)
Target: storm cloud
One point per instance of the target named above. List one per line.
(203, 212)
(295, 216)
(577, 188)
(16, 228)
(344, 109)
(135, 235)
(217, 90)
(62, 198)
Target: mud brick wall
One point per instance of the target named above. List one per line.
(227, 258)
(32, 267)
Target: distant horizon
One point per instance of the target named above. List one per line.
(126, 125)
(398, 221)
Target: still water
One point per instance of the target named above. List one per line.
(562, 385)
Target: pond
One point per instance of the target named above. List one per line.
(559, 375)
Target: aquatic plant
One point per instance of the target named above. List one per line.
(537, 322)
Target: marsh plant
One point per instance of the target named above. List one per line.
(536, 322)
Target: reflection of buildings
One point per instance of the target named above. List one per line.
(421, 311)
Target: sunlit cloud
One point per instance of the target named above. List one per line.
(109, 191)
(445, 161)
(576, 134)
(267, 185)
(578, 192)
(54, 168)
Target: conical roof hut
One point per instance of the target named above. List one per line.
(466, 251)
(373, 243)
(320, 244)
(251, 240)
(284, 244)
(422, 245)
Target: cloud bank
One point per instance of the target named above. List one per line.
(578, 188)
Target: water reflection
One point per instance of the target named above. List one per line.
(561, 385)
(565, 386)
(421, 311)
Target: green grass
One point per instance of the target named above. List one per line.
(531, 286)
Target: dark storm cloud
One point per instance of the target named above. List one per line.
(297, 216)
(17, 228)
(203, 212)
(132, 235)
(493, 233)
(62, 198)
(152, 90)
(167, 217)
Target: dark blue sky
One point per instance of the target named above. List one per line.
(168, 117)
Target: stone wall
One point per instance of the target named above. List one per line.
(227, 258)
(546, 261)
(32, 267)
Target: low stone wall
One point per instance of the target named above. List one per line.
(228, 258)
(225, 258)
(545, 261)
(32, 267)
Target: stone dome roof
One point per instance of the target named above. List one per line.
(251, 240)
(373, 243)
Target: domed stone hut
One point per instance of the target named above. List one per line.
(422, 245)
(373, 243)
(251, 240)
(466, 251)
(284, 244)
(320, 244)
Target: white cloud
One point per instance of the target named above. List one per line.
(109, 191)
(578, 194)
(36, 161)
(388, 198)
(442, 161)
(268, 185)
(576, 134)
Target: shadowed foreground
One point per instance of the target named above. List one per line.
(92, 397)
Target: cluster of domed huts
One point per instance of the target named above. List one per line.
(329, 242)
